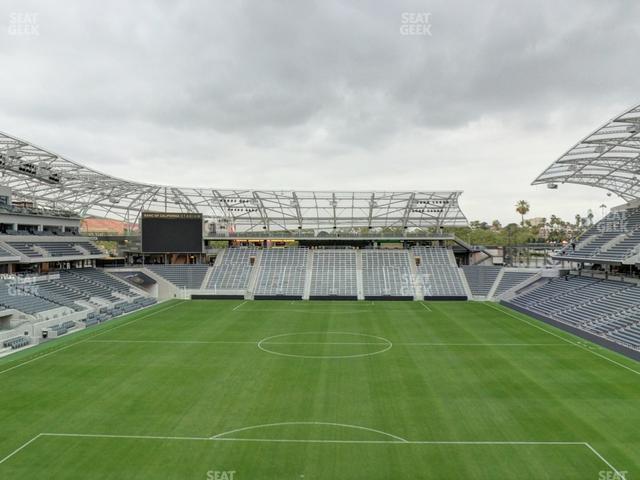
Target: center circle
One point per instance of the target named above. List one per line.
(305, 344)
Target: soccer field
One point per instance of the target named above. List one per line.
(320, 390)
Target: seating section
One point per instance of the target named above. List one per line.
(387, 273)
(13, 295)
(334, 274)
(603, 307)
(437, 273)
(106, 313)
(25, 248)
(15, 343)
(481, 278)
(83, 284)
(40, 295)
(62, 328)
(613, 239)
(182, 276)
(629, 335)
(626, 244)
(99, 277)
(59, 249)
(90, 247)
(234, 270)
(42, 248)
(78, 289)
(57, 293)
(80, 284)
(282, 272)
(5, 253)
(510, 280)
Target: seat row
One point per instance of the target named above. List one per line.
(106, 313)
(38, 249)
(15, 343)
(602, 307)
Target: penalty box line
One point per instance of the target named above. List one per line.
(318, 441)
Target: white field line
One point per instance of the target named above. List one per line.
(324, 343)
(586, 349)
(89, 338)
(238, 306)
(407, 344)
(223, 342)
(619, 475)
(310, 311)
(125, 437)
(364, 307)
(396, 441)
(426, 306)
(418, 344)
(328, 303)
(265, 341)
(23, 446)
(179, 342)
(330, 424)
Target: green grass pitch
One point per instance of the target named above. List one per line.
(320, 390)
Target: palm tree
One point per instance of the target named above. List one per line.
(522, 207)
(603, 207)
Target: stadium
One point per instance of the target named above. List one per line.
(152, 331)
(332, 296)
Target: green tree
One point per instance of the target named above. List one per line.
(522, 207)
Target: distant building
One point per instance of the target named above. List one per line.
(98, 225)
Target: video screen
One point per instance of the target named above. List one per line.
(171, 232)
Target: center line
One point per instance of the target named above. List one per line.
(406, 344)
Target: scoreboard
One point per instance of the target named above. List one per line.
(165, 232)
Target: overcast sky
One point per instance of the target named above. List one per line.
(324, 95)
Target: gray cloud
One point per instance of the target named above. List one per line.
(324, 94)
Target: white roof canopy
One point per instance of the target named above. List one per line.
(48, 180)
(608, 158)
